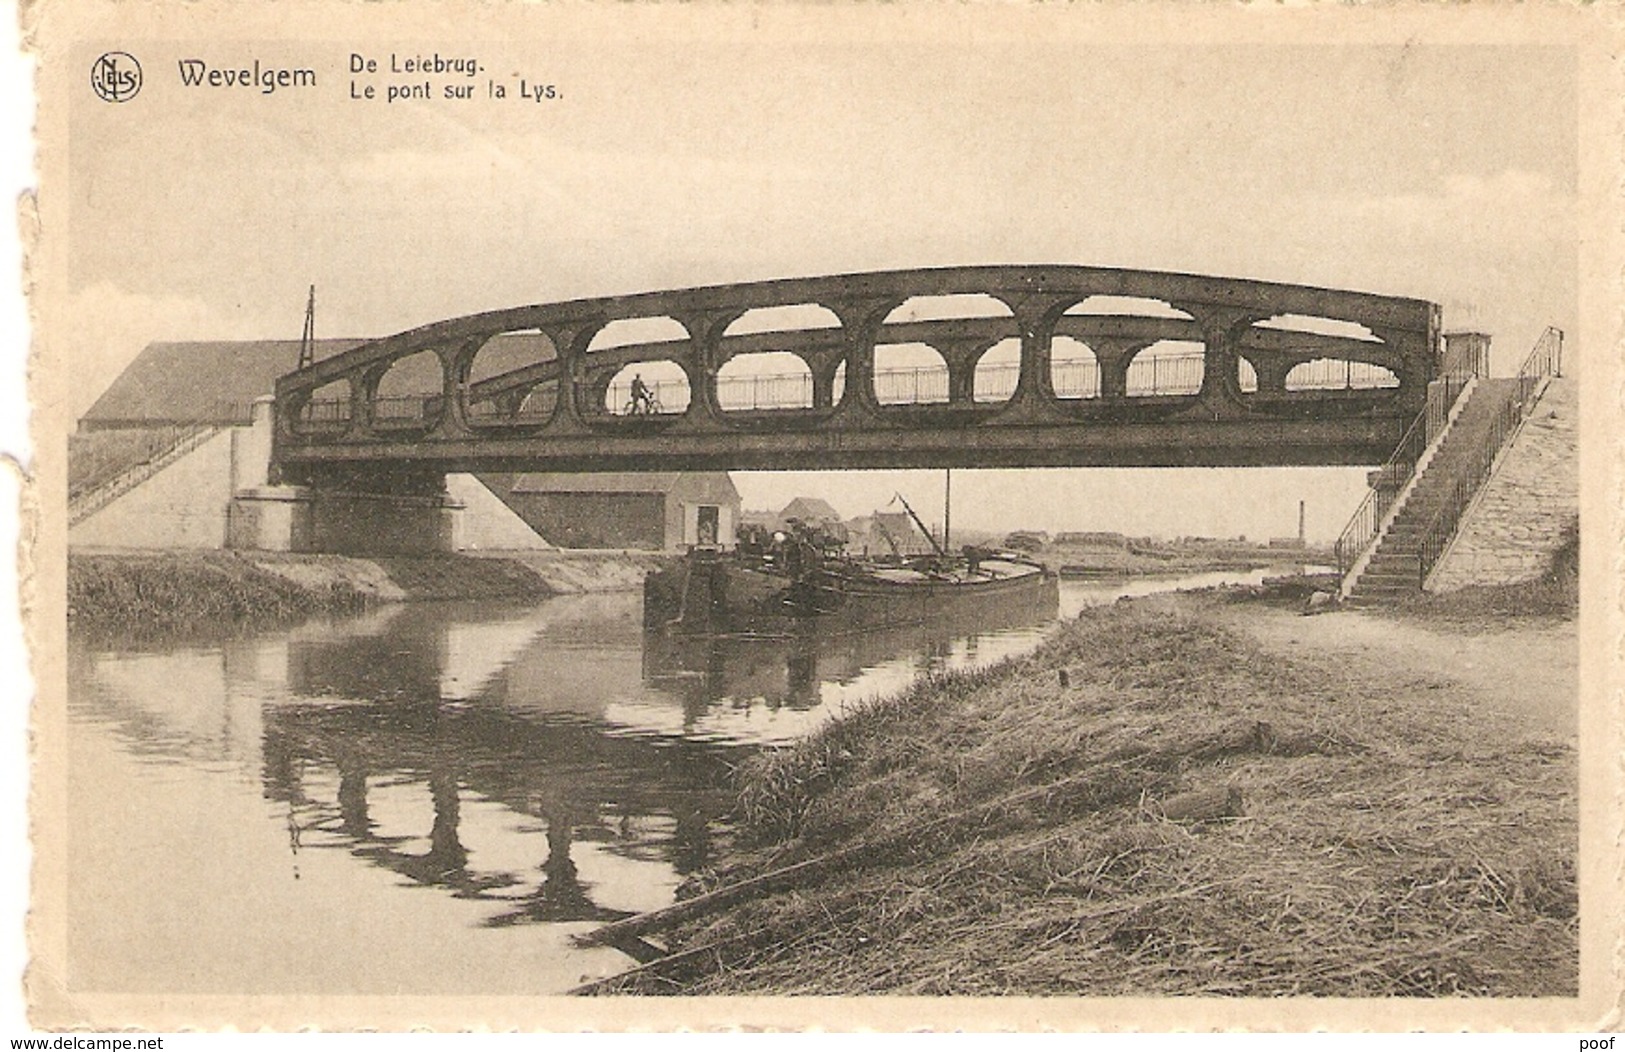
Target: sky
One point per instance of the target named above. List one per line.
(670, 159)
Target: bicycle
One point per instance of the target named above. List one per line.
(649, 406)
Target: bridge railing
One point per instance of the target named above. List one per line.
(325, 414)
(235, 413)
(1181, 374)
(1331, 374)
(1165, 374)
(536, 407)
(1148, 376)
(405, 410)
(1071, 379)
(922, 385)
(1543, 362)
(766, 391)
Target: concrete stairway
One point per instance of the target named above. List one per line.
(1395, 566)
(181, 441)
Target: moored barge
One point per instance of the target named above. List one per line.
(722, 593)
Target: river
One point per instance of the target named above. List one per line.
(431, 798)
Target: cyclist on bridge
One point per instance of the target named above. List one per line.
(642, 397)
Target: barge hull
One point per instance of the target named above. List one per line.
(717, 597)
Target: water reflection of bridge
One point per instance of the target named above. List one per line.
(385, 735)
(408, 709)
(508, 707)
(577, 780)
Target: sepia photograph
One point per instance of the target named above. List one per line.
(1007, 516)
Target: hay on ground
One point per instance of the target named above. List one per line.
(1392, 841)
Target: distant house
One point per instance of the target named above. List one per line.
(886, 533)
(809, 510)
(650, 511)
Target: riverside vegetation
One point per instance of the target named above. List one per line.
(180, 592)
(1152, 803)
(167, 593)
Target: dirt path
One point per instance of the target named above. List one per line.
(1526, 670)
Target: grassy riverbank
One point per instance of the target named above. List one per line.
(190, 591)
(131, 593)
(1156, 802)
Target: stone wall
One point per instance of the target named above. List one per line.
(183, 504)
(487, 524)
(1519, 519)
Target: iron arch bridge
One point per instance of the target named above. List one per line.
(992, 366)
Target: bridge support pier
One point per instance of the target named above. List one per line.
(349, 512)
(270, 519)
(350, 523)
(316, 519)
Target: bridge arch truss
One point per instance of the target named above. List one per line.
(529, 388)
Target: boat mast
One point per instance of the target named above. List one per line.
(307, 342)
(920, 524)
(947, 505)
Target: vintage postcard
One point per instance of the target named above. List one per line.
(977, 516)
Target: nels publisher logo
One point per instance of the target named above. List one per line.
(116, 76)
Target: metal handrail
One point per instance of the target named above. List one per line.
(1396, 471)
(1148, 375)
(98, 491)
(1544, 360)
(1362, 526)
(234, 413)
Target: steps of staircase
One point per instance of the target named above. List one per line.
(1385, 591)
(87, 503)
(1393, 569)
(1400, 576)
